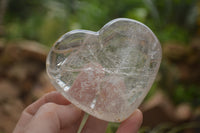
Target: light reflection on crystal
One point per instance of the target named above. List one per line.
(66, 88)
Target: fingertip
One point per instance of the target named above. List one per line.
(132, 124)
(137, 115)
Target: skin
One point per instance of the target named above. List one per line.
(52, 113)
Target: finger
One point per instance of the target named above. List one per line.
(132, 124)
(28, 113)
(94, 125)
(54, 97)
(23, 121)
(52, 118)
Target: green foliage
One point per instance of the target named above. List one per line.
(139, 14)
(112, 127)
(14, 30)
(189, 94)
(172, 19)
(174, 33)
(23, 9)
(46, 20)
(152, 91)
(172, 11)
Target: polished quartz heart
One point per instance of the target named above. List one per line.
(106, 73)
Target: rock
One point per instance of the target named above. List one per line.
(195, 43)
(186, 59)
(13, 108)
(8, 90)
(23, 70)
(1, 45)
(25, 74)
(158, 109)
(10, 112)
(159, 98)
(197, 111)
(23, 50)
(21, 64)
(183, 112)
(11, 54)
(174, 51)
(33, 50)
(6, 124)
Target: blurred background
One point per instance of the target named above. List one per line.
(29, 28)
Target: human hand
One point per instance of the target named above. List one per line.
(52, 113)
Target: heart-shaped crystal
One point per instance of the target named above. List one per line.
(106, 73)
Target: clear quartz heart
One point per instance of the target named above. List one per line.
(106, 73)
